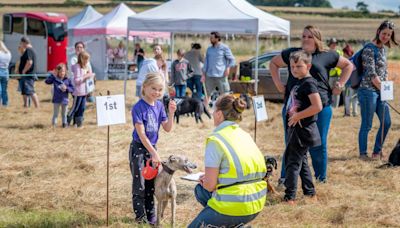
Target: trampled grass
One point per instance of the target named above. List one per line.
(56, 177)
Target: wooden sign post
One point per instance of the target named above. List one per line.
(260, 112)
(110, 110)
(386, 95)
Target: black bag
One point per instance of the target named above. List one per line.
(394, 158)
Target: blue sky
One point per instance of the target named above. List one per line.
(373, 5)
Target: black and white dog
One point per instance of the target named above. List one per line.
(187, 105)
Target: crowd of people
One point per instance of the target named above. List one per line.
(232, 190)
(233, 163)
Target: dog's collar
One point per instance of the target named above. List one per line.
(167, 169)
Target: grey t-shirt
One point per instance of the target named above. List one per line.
(196, 60)
(214, 157)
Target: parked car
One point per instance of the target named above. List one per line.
(266, 86)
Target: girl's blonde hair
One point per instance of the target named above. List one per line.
(153, 78)
(3, 47)
(317, 36)
(81, 57)
(59, 67)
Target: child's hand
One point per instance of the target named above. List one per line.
(294, 119)
(155, 159)
(63, 87)
(172, 106)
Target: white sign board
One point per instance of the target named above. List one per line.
(387, 91)
(110, 110)
(260, 110)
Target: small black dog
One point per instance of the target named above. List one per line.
(271, 165)
(187, 105)
(394, 157)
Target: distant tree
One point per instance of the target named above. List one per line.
(363, 7)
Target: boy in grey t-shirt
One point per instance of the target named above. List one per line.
(180, 72)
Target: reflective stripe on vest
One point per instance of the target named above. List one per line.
(245, 198)
(238, 167)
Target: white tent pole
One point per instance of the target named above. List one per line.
(171, 54)
(288, 37)
(256, 66)
(126, 62)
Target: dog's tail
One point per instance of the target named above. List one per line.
(206, 111)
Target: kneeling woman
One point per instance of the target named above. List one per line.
(232, 190)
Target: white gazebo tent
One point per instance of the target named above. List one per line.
(95, 36)
(86, 16)
(194, 16)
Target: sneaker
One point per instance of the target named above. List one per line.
(346, 115)
(364, 157)
(153, 220)
(290, 202)
(281, 185)
(376, 156)
(64, 125)
(69, 119)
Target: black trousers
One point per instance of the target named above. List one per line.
(142, 190)
(296, 164)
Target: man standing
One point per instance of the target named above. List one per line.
(139, 56)
(219, 59)
(79, 47)
(27, 67)
(334, 73)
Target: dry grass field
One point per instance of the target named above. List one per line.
(56, 177)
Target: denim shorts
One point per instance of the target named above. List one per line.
(27, 86)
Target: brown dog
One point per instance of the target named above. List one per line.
(271, 165)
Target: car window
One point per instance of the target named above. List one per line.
(263, 62)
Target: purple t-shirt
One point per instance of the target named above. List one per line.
(150, 116)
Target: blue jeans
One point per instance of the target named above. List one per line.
(4, 84)
(283, 171)
(195, 85)
(180, 90)
(208, 217)
(319, 154)
(370, 103)
(77, 110)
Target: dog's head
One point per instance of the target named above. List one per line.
(271, 164)
(178, 162)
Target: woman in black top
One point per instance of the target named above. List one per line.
(322, 62)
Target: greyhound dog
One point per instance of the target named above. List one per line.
(165, 187)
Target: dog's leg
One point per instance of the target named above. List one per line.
(159, 205)
(173, 204)
(163, 206)
(270, 187)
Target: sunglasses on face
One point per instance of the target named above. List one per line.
(388, 24)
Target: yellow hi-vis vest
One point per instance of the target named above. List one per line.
(336, 72)
(241, 191)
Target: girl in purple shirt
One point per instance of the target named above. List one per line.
(148, 114)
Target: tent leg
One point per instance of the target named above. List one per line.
(126, 62)
(171, 54)
(256, 66)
